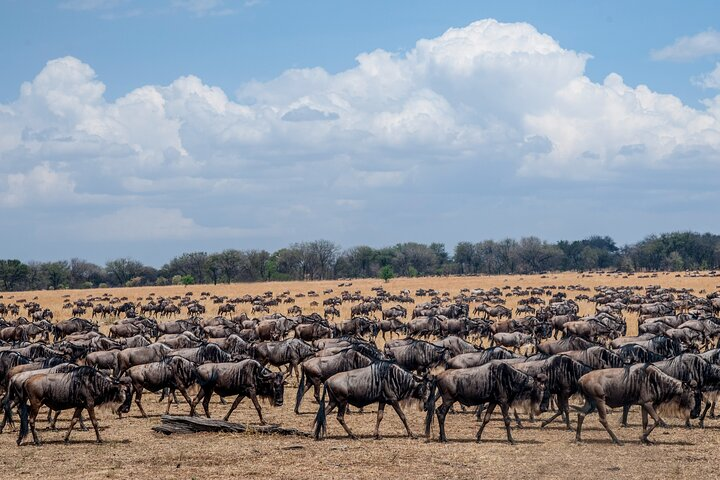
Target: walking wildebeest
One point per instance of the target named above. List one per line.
(381, 382)
(175, 373)
(642, 384)
(316, 370)
(81, 388)
(247, 378)
(495, 383)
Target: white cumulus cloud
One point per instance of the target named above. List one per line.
(688, 48)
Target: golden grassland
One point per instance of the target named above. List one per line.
(132, 450)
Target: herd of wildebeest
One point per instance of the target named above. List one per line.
(442, 352)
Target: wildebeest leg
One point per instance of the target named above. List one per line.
(54, 419)
(648, 409)
(34, 409)
(91, 414)
(441, 413)
(73, 421)
(486, 420)
(254, 399)
(702, 415)
(400, 413)
(380, 413)
(517, 418)
(341, 418)
(505, 409)
(582, 413)
(138, 402)
(185, 395)
(623, 421)
(237, 401)
(602, 412)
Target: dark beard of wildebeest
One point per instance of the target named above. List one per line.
(18, 379)
(81, 388)
(171, 373)
(693, 370)
(417, 355)
(382, 383)
(287, 352)
(247, 378)
(562, 374)
(316, 370)
(643, 385)
(495, 383)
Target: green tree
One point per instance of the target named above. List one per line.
(386, 273)
(12, 273)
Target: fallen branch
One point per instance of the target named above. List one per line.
(181, 424)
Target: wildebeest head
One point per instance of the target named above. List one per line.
(126, 389)
(271, 386)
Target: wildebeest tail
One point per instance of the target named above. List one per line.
(24, 423)
(430, 408)
(320, 418)
(301, 390)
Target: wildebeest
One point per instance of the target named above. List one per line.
(514, 340)
(72, 325)
(247, 378)
(139, 355)
(81, 388)
(381, 382)
(207, 353)
(564, 345)
(475, 359)
(315, 370)
(288, 352)
(495, 383)
(175, 373)
(417, 355)
(642, 384)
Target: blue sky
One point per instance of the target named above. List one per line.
(155, 127)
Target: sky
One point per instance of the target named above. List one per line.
(150, 128)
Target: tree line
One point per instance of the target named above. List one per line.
(323, 259)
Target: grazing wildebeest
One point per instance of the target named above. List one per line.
(381, 382)
(81, 388)
(315, 370)
(288, 352)
(417, 355)
(179, 340)
(175, 373)
(495, 383)
(103, 360)
(247, 378)
(642, 384)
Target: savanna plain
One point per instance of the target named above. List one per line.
(132, 450)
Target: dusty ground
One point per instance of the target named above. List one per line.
(132, 450)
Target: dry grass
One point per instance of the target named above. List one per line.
(132, 450)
